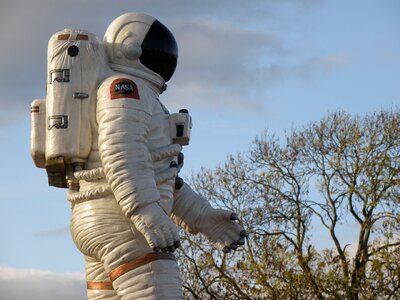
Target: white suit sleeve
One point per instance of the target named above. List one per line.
(194, 214)
(123, 116)
(189, 209)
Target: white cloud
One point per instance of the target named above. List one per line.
(306, 69)
(327, 63)
(220, 57)
(218, 65)
(58, 232)
(33, 284)
(318, 66)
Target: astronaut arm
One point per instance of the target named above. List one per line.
(195, 215)
(123, 129)
(125, 157)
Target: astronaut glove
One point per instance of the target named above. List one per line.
(222, 229)
(194, 213)
(158, 229)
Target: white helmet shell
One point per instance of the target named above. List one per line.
(139, 44)
(123, 34)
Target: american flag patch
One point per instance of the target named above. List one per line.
(35, 109)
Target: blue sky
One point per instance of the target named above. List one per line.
(244, 66)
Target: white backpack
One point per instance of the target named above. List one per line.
(61, 131)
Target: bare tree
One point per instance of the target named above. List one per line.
(339, 170)
(356, 164)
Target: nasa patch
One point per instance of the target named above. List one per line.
(123, 88)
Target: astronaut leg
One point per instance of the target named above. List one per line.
(99, 285)
(101, 231)
(158, 279)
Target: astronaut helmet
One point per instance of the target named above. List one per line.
(139, 43)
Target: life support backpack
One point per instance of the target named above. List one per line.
(61, 131)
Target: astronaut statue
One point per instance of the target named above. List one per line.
(103, 133)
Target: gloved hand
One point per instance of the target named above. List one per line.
(194, 213)
(158, 229)
(221, 228)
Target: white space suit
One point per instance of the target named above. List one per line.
(129, 200)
